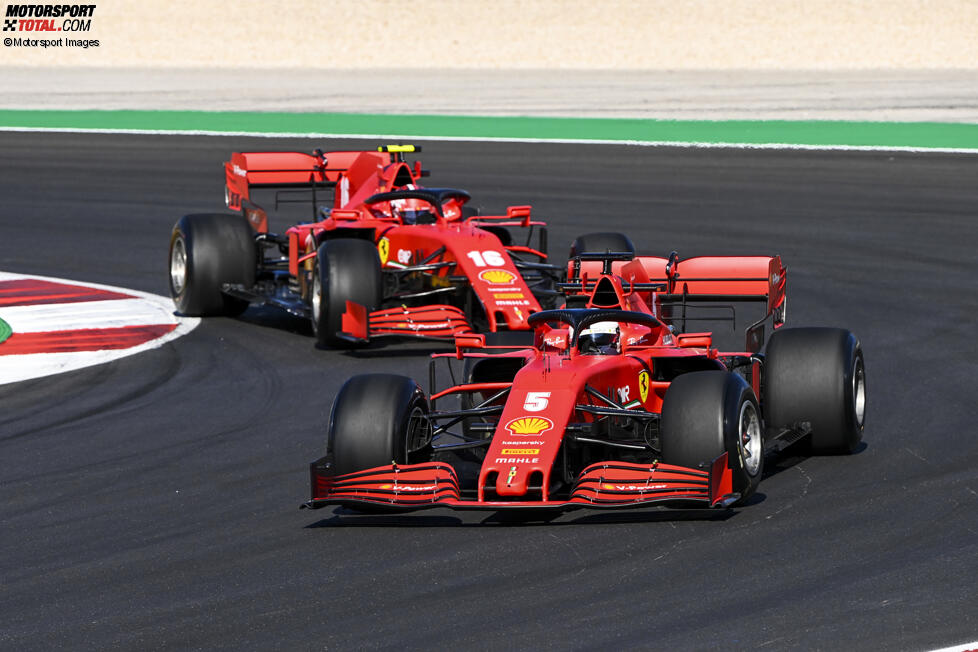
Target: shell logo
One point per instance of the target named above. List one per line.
(497, 276)
(529, 425)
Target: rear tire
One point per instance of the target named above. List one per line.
(346, 269)
(378, 419)
(707, 413)
(207, 251)
(816, 375)
(601, 243)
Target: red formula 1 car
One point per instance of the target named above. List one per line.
(614, 406)
(385, 258)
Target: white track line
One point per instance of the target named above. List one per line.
(15, 368)
(964, 647)
(111, 313)
(478, 139)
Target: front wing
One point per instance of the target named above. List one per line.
(437, 322)
(602, 485)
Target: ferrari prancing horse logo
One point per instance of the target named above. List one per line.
(384, 249)
(643, 384)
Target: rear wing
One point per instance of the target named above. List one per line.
(702, 279)
(354, 172)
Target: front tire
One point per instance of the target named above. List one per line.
(207, 251)
(817, 375)
(346, 270)
(378, 419)
(707, 413)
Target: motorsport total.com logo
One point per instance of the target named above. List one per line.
(48, 18)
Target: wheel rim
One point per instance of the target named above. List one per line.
(749, 439)
(317, 298)
(859, 391)
(418, 430)
(178, 266)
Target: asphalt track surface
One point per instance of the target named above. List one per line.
(152, 502)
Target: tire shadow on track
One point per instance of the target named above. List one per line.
(792, 456)
(276, 318)
(393, 350)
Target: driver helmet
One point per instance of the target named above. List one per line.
(603, 337)
(412, 211)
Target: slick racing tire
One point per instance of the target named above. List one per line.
(378, 419)
(594, 243)
(207, 251)
(346, 269)
(816, 375)
(707, 413)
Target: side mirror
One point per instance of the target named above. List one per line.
(695, 340)
(468, 341)
(557, 339)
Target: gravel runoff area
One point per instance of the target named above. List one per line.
(887, 60)
(888, 95)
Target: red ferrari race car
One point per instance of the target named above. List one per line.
(615, 405)
(386, 257)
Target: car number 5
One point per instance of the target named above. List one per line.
(536, 401)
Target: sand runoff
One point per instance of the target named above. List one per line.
(521, 34)
(903, 96)
(902, 60)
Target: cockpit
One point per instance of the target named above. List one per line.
(418, 206)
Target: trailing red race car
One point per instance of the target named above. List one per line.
(614, 406)
(385, 258)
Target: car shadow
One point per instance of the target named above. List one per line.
(273, 317)
(345, 517)
(389, 349)
(781, 461)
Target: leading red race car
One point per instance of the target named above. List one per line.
(614, 406)
(385, 257)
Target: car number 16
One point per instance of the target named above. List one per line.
(487, 258)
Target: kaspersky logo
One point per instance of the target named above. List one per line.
(497, 276)
(529, 426)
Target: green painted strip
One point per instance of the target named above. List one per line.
(5, 331)
(750, 132)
